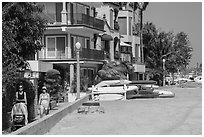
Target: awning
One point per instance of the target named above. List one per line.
(106, 37)
(124, 44)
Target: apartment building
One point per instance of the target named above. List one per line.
(111, 38)
(69, 23)
(131, 46)
(104, 31)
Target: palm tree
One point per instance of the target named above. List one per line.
(137, 29)
(142, 7)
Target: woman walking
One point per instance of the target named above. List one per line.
(44, 101)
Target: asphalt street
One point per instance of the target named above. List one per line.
(181, 115)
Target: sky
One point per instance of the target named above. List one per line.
(177, 17)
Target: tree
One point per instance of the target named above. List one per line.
(175, 50)
(183, 50)
(114, 71)
(149, 39)
(8, 97)
(52, 82)
(157, 46)
(22, 26)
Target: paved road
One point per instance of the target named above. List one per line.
(181, 115)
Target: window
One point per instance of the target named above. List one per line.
(130, 26)
(94, 12)
(55, 46)
(87, 45)
(87, 12)
(123, 23)
(80, 8)
(51, 47)
(111, 18)
(81, 41)
(73, 41)
(84, 41)
(58, 12)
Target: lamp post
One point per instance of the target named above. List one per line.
(163, 71)
(78, 46)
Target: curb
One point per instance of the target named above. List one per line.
(43, 125)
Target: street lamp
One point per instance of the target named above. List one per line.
(163, 71)
(78, 46)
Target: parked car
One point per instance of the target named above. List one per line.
(112, 89)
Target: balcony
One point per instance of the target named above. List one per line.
(75, 19)
(59, 55)
(126, 57)
(92, 54)
(83, 19)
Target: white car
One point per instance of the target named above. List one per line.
(112, 89)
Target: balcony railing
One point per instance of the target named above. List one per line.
(76, 19)
(126, 57)
(92, 54)
(84, 54)
(80, 18)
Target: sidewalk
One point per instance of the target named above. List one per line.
(181, 115)
(43, 125)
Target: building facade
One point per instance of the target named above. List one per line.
(128, 19)
(69, 23)
(111, 38)
(105, 32)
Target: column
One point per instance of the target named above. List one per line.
(69, 53)
(111, 50)
(71, 73)
(36, 98)
(69, 13)
(64, 14)
(98, 43)
(139, 54)
(133, 47)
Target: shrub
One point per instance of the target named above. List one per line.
(52, 81)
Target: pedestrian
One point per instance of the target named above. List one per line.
(21, 95)
(20, 105)
(44, 102)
